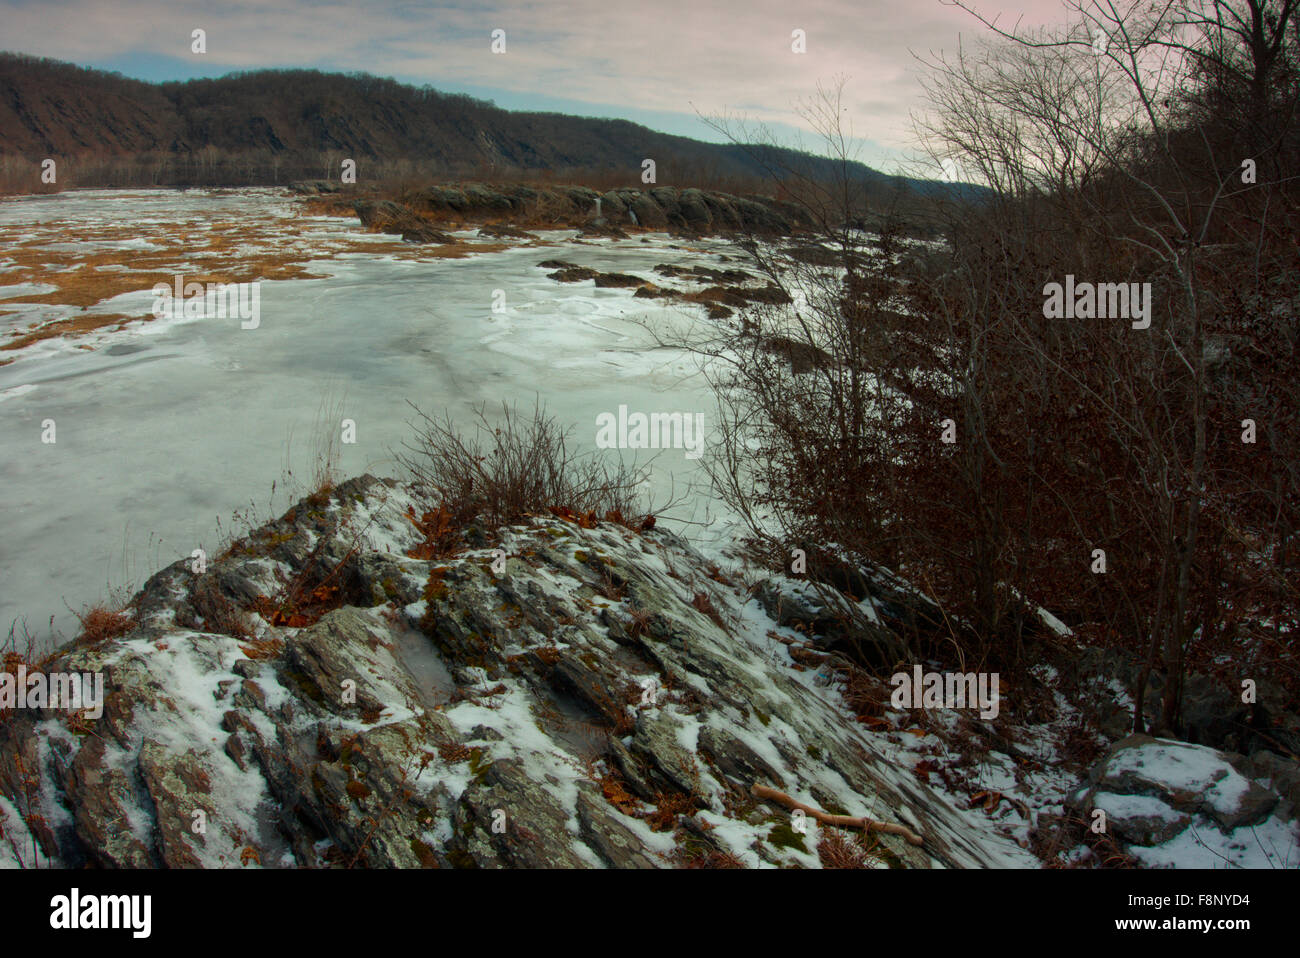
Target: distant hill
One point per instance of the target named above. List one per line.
(279, 125)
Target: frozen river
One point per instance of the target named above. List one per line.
(165, 428)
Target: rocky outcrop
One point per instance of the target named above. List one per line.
(689, 211)
(336, 690)
(570, 694)
(315, 187)
(386, 216)
(719, 300)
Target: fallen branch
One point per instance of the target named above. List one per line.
(846, 821)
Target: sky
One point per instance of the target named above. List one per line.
(670, 64)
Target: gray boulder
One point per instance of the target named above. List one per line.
(1152, 790)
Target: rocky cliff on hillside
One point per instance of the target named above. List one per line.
(564, 693)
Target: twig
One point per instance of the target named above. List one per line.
(846, 821)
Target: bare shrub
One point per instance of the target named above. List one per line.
(917, 408)
(522, 465)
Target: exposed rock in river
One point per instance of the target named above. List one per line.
(691, 212)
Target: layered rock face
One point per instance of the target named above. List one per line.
(571, 694)
(337, 689)
(690, 211)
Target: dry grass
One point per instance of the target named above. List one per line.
(639, 620)
(221, 615)
(838, 850)
(669, 805)
(265, 648)
(704, 605)
(100, 622)
(1051, 843)
(614, 790)
(712, 858)
(85, 277)
(87, 284)
(520, 466)
(227, 252)
(74, 326)
(23, 650)
(297, 606)
(452, 752)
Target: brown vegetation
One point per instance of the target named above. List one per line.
(503, 472)
(101, 621)
(945, 428)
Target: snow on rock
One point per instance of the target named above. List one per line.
(1174, 804)
(606, 700)
(607, 697)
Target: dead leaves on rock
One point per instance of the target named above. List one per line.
(441, 537)
(990, 800)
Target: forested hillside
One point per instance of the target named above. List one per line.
(274, 126)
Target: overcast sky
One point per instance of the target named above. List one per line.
(658, 62)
